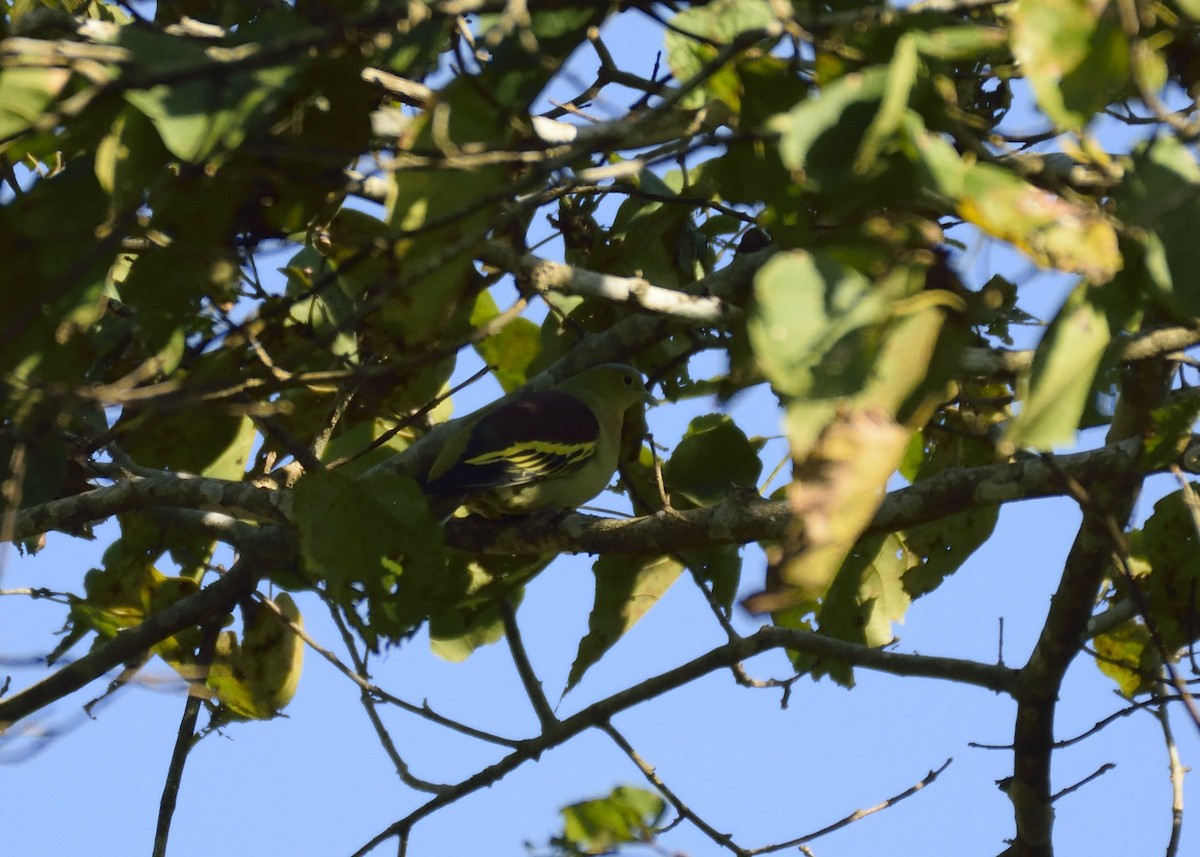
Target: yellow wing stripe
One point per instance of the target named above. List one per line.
(543, 458)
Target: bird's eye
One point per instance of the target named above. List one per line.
(628, 380)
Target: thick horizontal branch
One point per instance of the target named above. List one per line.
(990, 676)
(744, 518)
(1156, 342)
(178, 491)
(547, 276)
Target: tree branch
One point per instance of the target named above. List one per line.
(1144, 345)
(1107, 503)
(169, 490)
(991, 676)
(184, 741)
(744, 518)
(209, 604)
(547, 276)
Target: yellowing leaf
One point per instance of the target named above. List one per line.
(1054, 232)
(1129, 657)
(258, 677)
(834, 494)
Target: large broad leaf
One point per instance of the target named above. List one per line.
(476, 620)
(1056, 391)
(1073, 53)
(1053, 231)
(379, 552)
(25, 93)
(810, 325)
(696, 37)
(54, 297)
(959, 439)
(901, 78)
(210, 108)
(1161, 194)
(834, 494)
(1170, 542)
(256, 677)
(627, 815)
(511, 350)
(866, 598)
(819, 136)
(1129, 657)
(202, 440)
(714, 458)
(626, 588)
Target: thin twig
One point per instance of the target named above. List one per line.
(407, 421)
(361, 679)
(1099, 772)
(184, 740)
(529, 679)
(1177, 770)
(651, 775)
(857, 815)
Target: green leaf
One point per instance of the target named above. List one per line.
(942, 546)
(713, 458)
(901, 78)
(1055, 392)
(1161, 194)
(257, 677)
(209, 108)
(375, 545)
(957, 440)
(944, 170)
(201, 440)
(909, 342)
(128, 158)
(25, 96)
(511, 350)
(1074, 55)
(865, 599)
(627, 815)
(1171, 545)
(475, 620)
(626, 588)
(714, 25)
(721, 567)
(1172, 433)
(960, 42)
(819, 134)
(810, 324)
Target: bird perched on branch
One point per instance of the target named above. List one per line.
(552, 449)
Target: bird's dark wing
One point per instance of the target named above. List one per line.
(539, 436)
